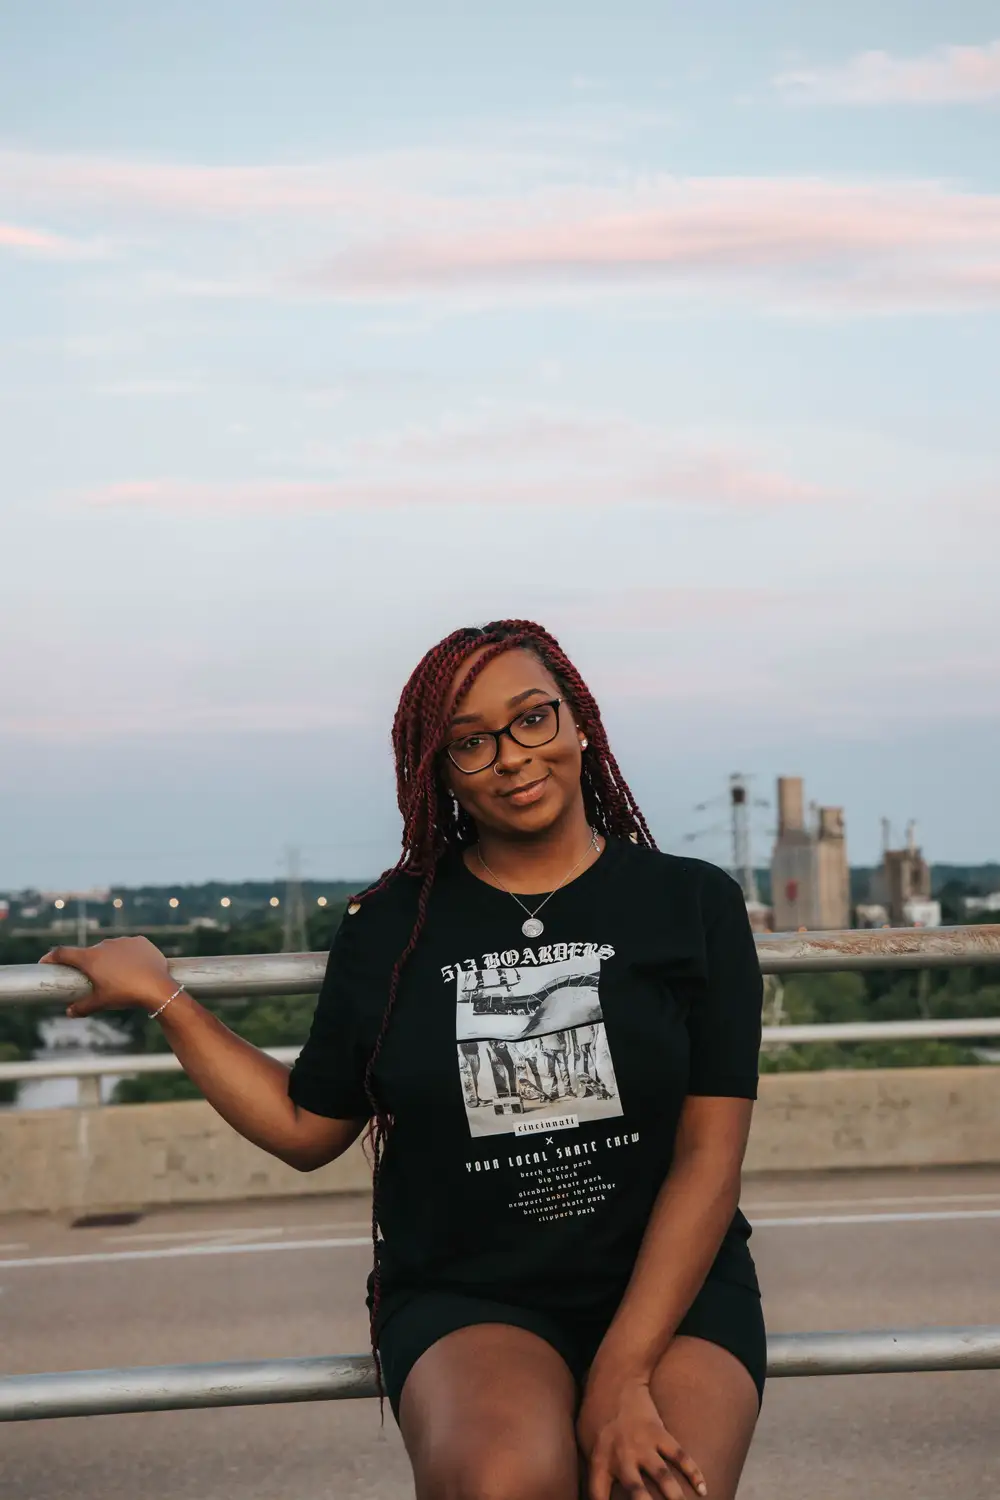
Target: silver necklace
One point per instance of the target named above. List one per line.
(533, 928)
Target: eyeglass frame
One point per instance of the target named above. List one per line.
(497, 735)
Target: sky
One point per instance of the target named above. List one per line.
(326, 328)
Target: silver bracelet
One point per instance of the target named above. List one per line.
(154, 1013)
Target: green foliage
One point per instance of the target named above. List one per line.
(267, 1021)
(820, 999)
(820, 1056)
(823, 999)
(19, 1034)
(154, 1088)
(8, 1053)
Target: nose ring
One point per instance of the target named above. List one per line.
(496, 769)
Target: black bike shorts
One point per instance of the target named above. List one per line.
(726, 1313)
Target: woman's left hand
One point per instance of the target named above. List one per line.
(625, 1442)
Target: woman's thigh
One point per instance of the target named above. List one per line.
(487, 1413)
(709, 1403)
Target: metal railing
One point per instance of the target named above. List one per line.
(92, 1069)
(179, 1387)
(82, 1393)
(248, 975)
(238, 976)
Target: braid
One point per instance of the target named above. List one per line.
(432, 829)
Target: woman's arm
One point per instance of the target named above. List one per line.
(619, 1428)
(245, 1086)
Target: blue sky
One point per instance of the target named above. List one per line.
(325, 328)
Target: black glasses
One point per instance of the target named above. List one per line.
(530, 728)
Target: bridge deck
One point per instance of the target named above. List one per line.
(932, 1262)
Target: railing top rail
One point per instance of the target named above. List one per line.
(879, 948)
(237, 975)
(114, 1064)
(75, 1393)
(229, 977)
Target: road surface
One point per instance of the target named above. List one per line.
(845, 1250)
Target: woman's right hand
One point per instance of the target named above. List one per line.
(123, 972)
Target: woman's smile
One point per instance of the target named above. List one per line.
(530, 792)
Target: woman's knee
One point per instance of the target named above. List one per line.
(487, 1414)
(499, 1472)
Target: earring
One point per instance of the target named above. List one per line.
(584, 743)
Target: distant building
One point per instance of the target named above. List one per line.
(761, 916)
(975, 904)
(922, 913)
(903, 881)
(810, 881)
(74, 924)
(870, 914)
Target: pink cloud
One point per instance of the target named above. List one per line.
(611, 445)
(19, 237)
(482, 223)
(795, 237)
(385, 184)
(702, 480)
(948, 75)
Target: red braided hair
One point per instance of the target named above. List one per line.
(433, 825)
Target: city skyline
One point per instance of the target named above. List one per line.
(328, 331)
(712, 842)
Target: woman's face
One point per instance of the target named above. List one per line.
(526, 790)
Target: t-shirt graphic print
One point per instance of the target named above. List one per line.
(533, 1052)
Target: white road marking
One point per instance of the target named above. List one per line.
(831, 1203)
(172, 1252)
(816, 1220)
(199, 1236)
(219, 1235)
(214, 1234)
(257, 1247)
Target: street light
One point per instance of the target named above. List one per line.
(225, 901)
(320, 900)
(174, 902)
(275, 901)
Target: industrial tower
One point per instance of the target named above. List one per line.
(742, 854)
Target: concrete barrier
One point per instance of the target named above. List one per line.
(892, 1117)
(141, 1155)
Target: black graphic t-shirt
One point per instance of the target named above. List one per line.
(535, 1085)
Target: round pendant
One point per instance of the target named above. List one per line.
(533, 927)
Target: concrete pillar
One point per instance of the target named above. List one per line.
(791, 807)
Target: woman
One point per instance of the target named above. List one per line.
(556, 1277)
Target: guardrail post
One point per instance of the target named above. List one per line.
(88, 1091)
